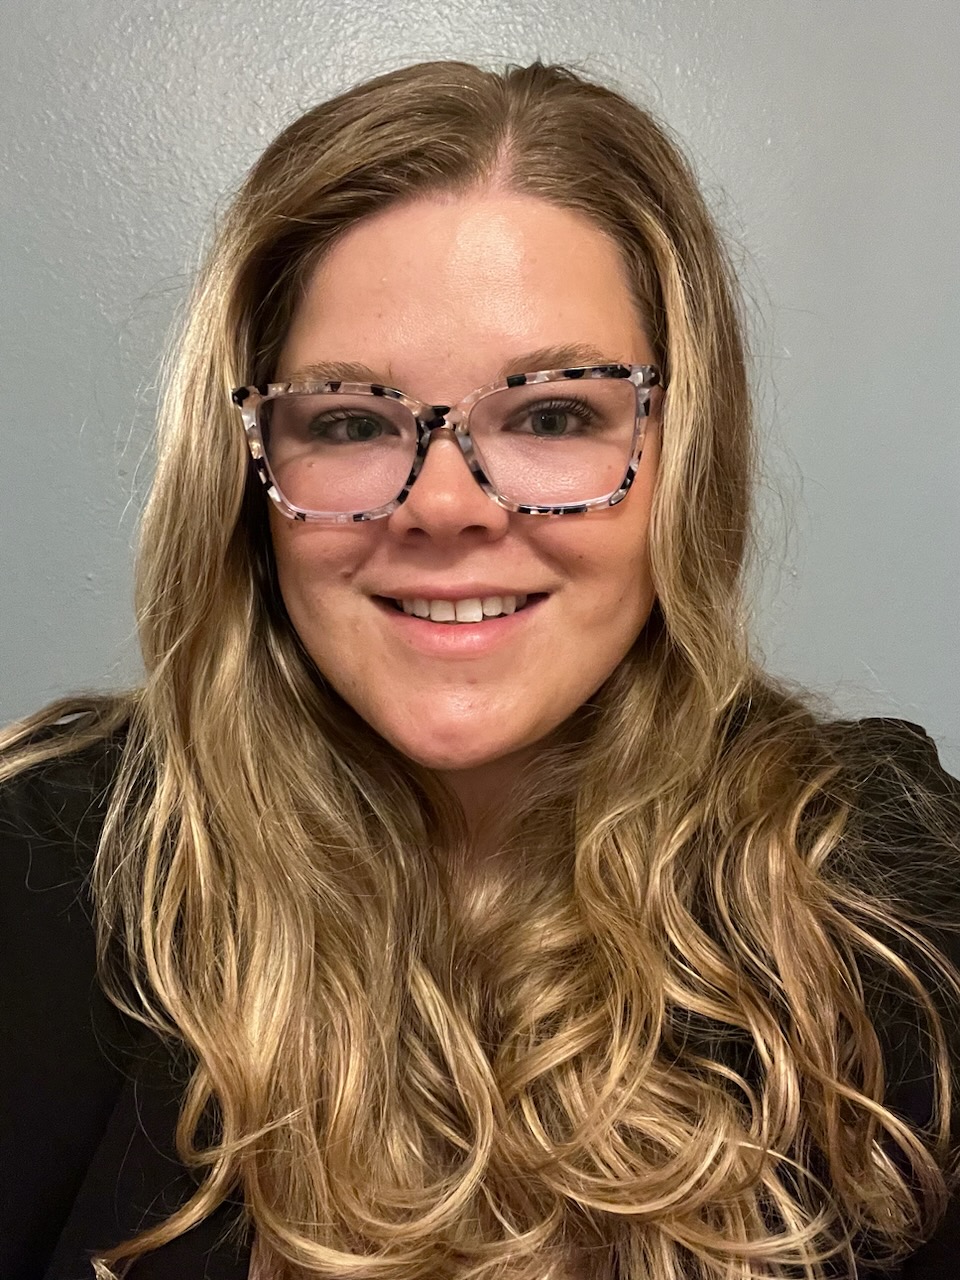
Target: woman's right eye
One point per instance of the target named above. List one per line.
(357, 428)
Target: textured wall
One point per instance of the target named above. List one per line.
(824, 135)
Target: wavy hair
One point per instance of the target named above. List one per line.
(644, 1046)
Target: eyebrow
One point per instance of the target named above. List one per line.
(571, 356)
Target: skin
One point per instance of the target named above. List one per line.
(436, 296)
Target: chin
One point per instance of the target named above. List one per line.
(450, 759)
(459, 748)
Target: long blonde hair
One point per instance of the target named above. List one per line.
(650, 1037)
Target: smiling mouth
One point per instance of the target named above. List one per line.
(395, 606)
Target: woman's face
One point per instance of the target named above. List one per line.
(436, 297)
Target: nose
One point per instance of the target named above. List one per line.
(445, 496)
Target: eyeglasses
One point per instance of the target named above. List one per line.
(348, 451)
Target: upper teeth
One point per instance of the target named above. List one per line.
(474, 610)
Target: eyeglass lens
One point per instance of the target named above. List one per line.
(543, 444)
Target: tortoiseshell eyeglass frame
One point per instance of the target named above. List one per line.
(434, 418)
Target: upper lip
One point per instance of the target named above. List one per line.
(463, 591)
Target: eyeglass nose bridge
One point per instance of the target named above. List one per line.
(443, 419)
(439, 420)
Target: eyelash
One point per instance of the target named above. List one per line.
(568, 404)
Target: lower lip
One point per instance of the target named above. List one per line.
(459, 639)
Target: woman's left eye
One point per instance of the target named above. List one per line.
(558, 417)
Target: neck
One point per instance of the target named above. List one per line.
(484, 792)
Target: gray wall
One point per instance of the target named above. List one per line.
(825, 136)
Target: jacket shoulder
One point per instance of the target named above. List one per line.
(62, 1044)
(905, 750)
(908, 826)
(906, 812)
(61, 803)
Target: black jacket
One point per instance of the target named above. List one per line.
(89, 1100)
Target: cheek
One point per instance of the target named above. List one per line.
(628, 592)
(312, 562)
(626, 544)
(605, 558)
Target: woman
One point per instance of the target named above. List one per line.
(468, 902)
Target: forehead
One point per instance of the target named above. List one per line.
(473, 283)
